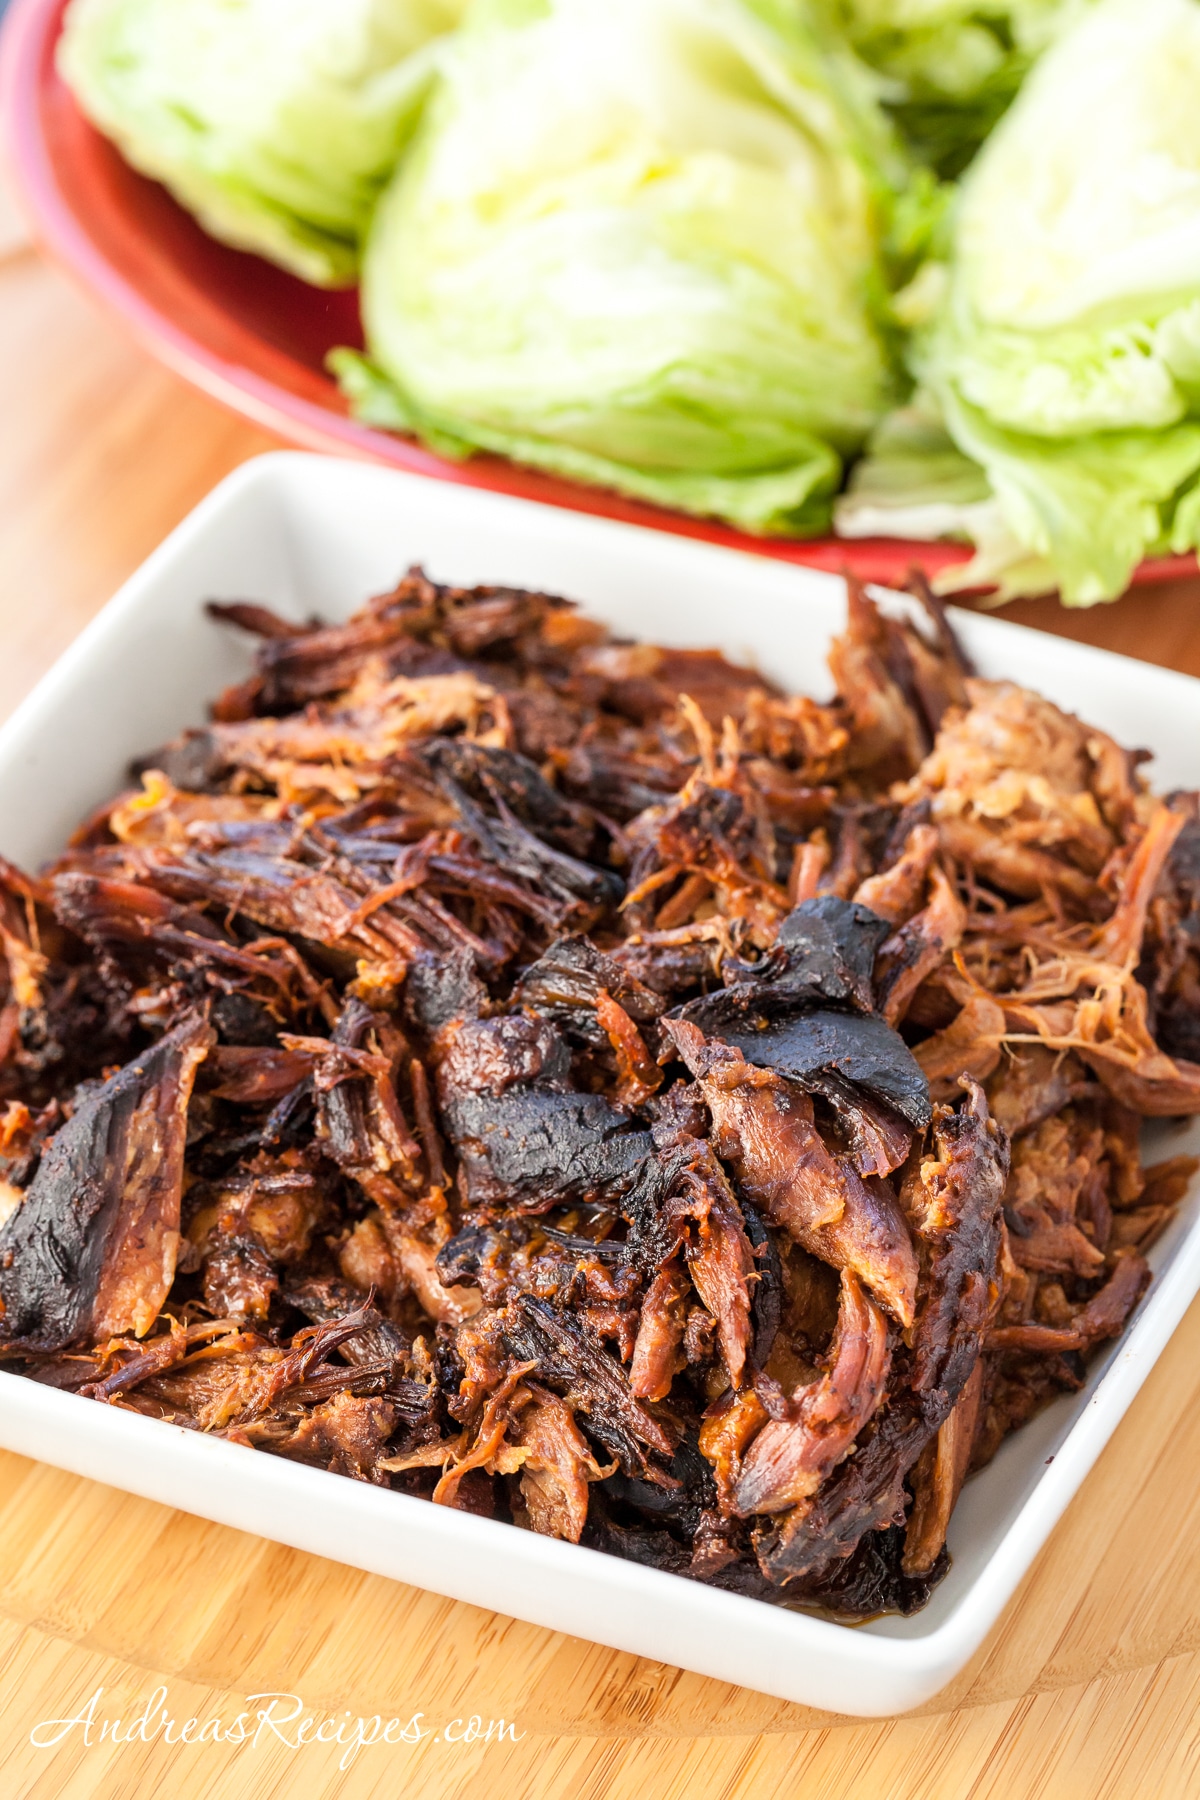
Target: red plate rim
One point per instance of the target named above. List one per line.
(296, 401)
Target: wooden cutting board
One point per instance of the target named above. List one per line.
(1086, 1691)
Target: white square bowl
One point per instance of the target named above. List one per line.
(304, 533)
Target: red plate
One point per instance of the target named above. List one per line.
(255, 338)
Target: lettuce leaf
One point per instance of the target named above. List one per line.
(951, 67)
(793, 501)
(275, 121)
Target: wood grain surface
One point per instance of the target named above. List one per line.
(1088, 1689)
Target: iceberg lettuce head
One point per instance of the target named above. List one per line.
(637, 243)
(275, 121)
(1061, 354)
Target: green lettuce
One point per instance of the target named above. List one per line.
(640, 244)
(275, 121)
(1060, 348)
(951, 67)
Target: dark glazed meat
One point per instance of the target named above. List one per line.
(90, 1251)
(564, 1354)
(862, 1051)
(545, 1074)
(824, 956)
(522, 1133)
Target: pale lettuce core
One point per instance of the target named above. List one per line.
(275, 121)
(1063, 352)
(637, 244)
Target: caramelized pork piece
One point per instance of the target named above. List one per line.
(1073, 1002)
(240, 1281)
(683, 1203)
(796, 743)
(519, 823)
(254, 1074)
(792, 1455)
(565, 1355)
(895, 682)
(720, 1259)
(508, 786)
(1032, 1083)
(1121, 940)
(90, 1251)
(970, 1045)
(411, 628)
(1012, 784)
(239, 1379)
(731, 1424)
(277, 1202)
(417, 1261)
(824, 957)
(643, 683)
(661, 1328)
(359, 1118)
(876, 1139)
(519, 1254)
(122, 918)
(557, 1467)
(715, 839)
(895, 893)
(58, 1023)
(567, 984)
(871, 1580)
(938, 1476)
(324, 1300)
(290, 898)
(778, 1019)
(1163, 1088)
(764, 1127)
(1165, 1186)
(954, 1202)
(1050, 1166)
(677, 964)
(836, 1054)
(346, 1434)
(888, 736)
(919, 947)
(1101, 1317)
(342, 749)
(831, 948)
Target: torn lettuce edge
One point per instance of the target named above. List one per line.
(794, 500)
(1077, 515)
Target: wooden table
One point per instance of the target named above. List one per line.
(1088, 1689)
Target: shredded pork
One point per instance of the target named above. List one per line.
(571, 1081)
